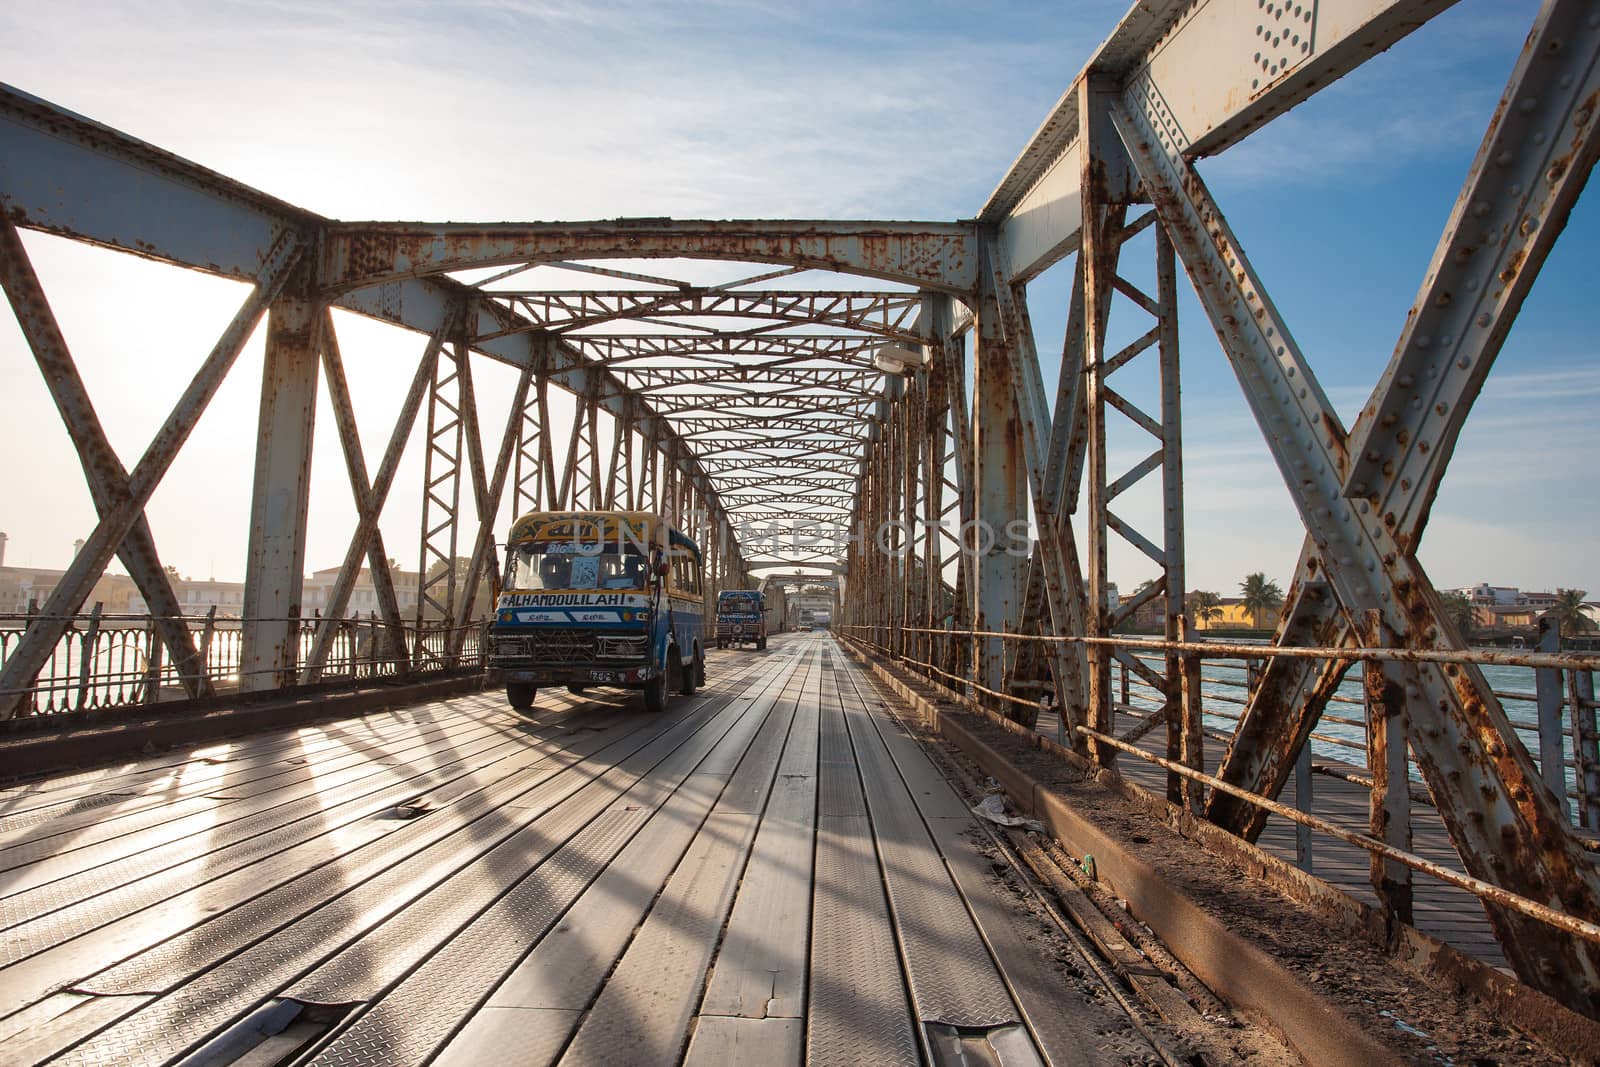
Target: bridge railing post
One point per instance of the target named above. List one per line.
(1551, 696)
(1388, 761)
(91, 634)
(152, 672)
(1302, 803)
(1585, 747)
(1186, 680)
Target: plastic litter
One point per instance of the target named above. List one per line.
(993, 808)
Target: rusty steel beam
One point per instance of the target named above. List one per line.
(104, 472)
(281, 491)
(1059, 571)
(1219, 70)
(63, 174)
(1437, 335)
(487, 494)
(39, 642)
(1503, 821)
(1534, 161)
(937, 255)
(882, 314)
(369, 500)
(1000, 471)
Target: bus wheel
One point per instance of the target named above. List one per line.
(655, 694)
(700, 668)
(761, 644)
(686, 677)
(576, 690)
(520, 694)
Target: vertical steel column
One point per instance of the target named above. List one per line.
(528, 471)
(935, 429)
(281, 493)
(1185, 738)
(1000, 473)
(441, 502)
(1098, 250)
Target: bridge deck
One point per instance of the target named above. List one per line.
(770, 872)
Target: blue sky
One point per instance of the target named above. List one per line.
(548, 110)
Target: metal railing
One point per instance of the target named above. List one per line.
(108, 661)
(1564, 684)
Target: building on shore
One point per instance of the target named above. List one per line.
(28, 588)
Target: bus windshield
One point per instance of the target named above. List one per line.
(737, 604)
(536, 566)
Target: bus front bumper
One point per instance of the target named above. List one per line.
(578, 674)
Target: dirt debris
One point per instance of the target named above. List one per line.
(1424, 1025)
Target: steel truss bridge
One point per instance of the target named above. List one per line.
(894, 431)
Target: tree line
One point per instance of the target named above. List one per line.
(1262, 598)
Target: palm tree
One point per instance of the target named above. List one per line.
(1260, 595)
(1204, 606)
(1569, 612)
(1458, 609)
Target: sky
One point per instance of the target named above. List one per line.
(542, 109)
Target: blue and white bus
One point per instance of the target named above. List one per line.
(599, 598)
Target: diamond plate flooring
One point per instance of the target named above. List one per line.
(770, 872)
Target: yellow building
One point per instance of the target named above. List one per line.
(1234, 616)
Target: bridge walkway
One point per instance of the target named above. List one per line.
(1447, 912)
(771, 872)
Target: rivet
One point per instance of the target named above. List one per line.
(1528, 105)
(1484, 320)
(1505, 159)
(1463, 362)
(1480, 210)
(1516, 189)
(1447, 340)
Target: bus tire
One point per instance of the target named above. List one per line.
(761, 644)
(700, 668)
(655, 694)
(576, 690)
(686, 677)
(520, 694)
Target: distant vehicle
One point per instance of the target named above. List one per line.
(821, 620)
(741, 618)
(807, 619)
(599, 598)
